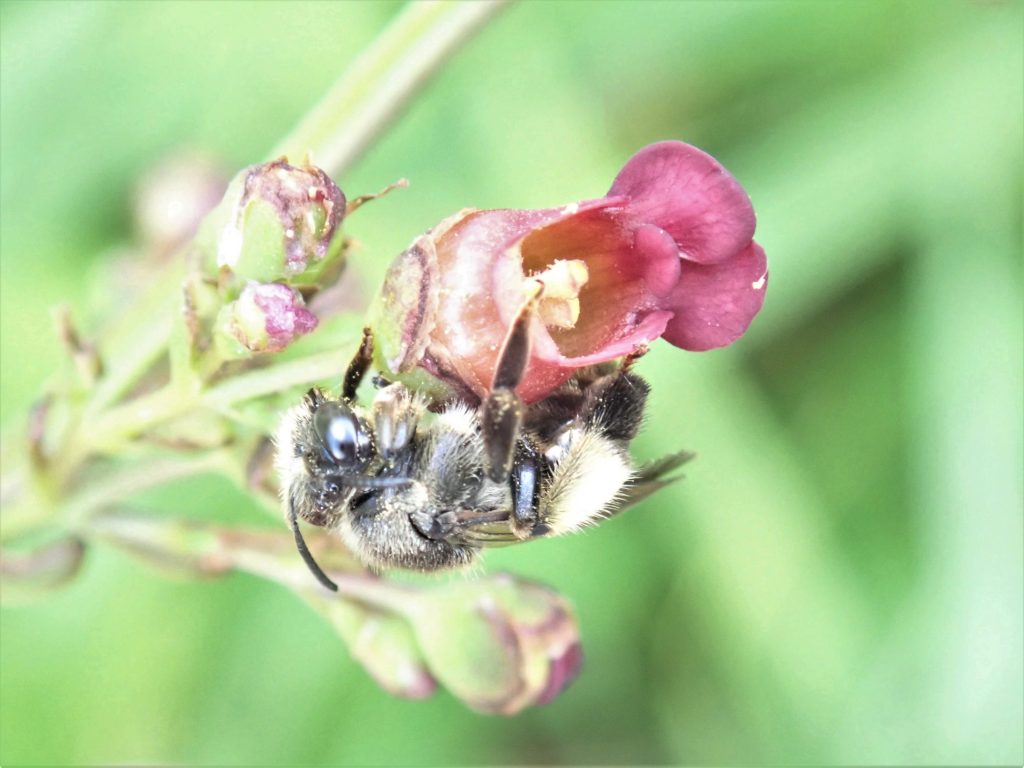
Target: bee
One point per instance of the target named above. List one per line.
(410, 484)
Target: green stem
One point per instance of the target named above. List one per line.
(109, 432)
(213, 550)
(378, 85)
(369, 591)
(138, 338)
(277, 378)
(29, 512)
(131, 479)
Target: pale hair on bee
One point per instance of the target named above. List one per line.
(408, 483)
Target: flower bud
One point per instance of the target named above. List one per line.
(386, 647)
(276, 221)
(174, 197)
(27, 576)
(500, 644)
(264, 318)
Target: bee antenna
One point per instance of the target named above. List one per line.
(307, 556)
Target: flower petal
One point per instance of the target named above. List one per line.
(660, 257)
(715, 303)
(641, 331)
(615, 291)
(687, 193)
(482, 262)
(548, 368)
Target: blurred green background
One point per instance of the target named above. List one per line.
(838, 579)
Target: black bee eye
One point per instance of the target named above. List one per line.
(340, 433)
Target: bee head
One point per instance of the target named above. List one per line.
(339, 464)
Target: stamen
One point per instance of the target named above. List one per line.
(563, 280)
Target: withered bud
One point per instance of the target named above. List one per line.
(276, 222)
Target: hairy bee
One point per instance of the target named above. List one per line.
(410, 488)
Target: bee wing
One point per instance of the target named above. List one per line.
(652, 477)
(477, 529)
(490, 534)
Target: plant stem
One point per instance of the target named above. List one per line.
(373, 91)
(109, 431)
(138, 337)
(30, 512)
(277, 378)
(367, 590)
(131, 479)
(213, 550)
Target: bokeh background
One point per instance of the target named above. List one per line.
(838, 579)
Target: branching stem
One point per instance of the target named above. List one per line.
(379, 84)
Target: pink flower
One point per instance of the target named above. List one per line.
(668, 252)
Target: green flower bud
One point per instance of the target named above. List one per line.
(386, 647)
(276, 222)
(384, 644)
(500, 644)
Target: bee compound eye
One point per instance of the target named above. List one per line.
(340, 432)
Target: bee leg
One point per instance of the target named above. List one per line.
(502, 411)
(525, 479)
(358, 367)
(501, 417)
(396, 413)
(314, 398)
(462, 526)
(614, 403)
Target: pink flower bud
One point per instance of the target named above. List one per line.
(265, 318)
(668, 252)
